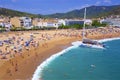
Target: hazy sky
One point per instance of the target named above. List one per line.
(52, 6)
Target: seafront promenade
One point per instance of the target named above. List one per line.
(21, 52)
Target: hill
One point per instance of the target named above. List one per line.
(9, 12)
(115, 11)
(92, 12)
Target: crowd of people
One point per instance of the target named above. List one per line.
(14, 44)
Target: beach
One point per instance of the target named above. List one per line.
(42, 44)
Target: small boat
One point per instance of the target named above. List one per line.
(89, 42)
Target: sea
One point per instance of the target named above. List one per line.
(80, 63)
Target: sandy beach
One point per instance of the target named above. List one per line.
(22, 52)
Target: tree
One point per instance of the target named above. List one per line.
(96, 23)
(77, 26)
(1, 27)
(63, 27)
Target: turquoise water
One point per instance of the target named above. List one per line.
(86, 64)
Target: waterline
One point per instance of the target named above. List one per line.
(38, 73)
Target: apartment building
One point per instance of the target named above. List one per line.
(46, 23)
(25, 22)
(5, 22)
(112, 21)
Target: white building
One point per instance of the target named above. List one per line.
(26, 22)
(64, 22)
(7, 26)
(48, 24)
(45, 23)
(72, 22)
(112, 21)
(88, 21)
(2, 24)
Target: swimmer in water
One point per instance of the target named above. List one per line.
(92, 65)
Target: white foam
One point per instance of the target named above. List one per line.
(38, 73)
(79, 43)
(109, 39)
(97, 46)
(76, 43)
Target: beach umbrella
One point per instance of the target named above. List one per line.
(4, 56)
(12, 47)
(27, 43)
(1, 43)
(20, 48)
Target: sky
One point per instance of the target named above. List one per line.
(53, 6)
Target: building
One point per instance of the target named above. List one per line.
(5, 23)
(72, 22)
(15, 21)
(112, 21)
(88, 21)
(35, 21)
(46, 23)
(25, 22)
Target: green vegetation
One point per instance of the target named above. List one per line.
(33, 28)
(17, 29)
(63, 27)
(12, 13)
(42, 28)
(115, 11)
(2, 29)
(75, 26)
(96, 24)
(92, 12)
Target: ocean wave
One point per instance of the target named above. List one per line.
(108, 39)
(38, 73)
(76, 43)
(79, 43)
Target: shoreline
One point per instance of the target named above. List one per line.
(38, 72)
(33, 61)
(28, 64)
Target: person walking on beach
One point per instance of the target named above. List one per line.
(9, 72)
(16, 66)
